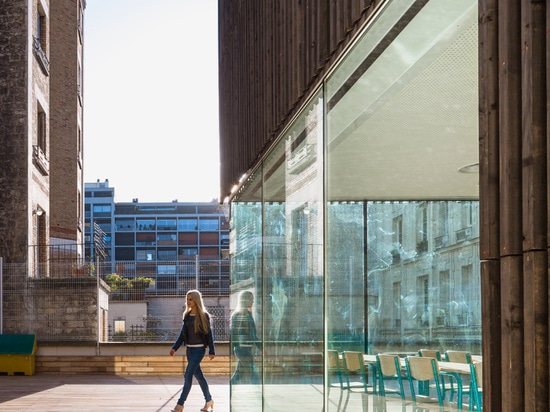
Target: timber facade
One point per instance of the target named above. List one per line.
(275, 56)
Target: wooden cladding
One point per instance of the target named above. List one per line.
(514, 203)
(272, 54)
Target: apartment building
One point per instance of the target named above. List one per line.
(181, 245)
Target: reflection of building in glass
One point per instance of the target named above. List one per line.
(426, 286)
(362, 205)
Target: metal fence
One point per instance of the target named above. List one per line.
(64, 298)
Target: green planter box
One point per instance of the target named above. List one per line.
(17, 354)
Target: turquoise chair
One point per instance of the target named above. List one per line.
(354, 364)
(423, 369)
(476, 386)
(389, 368)
(333, 366)
(458, 356)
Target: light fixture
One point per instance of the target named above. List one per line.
(38, 211)
(469, 168)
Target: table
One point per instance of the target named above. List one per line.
(454, 369)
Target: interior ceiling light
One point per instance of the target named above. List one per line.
(469, 168)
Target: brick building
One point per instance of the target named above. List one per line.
(40, 127)
(41, 179)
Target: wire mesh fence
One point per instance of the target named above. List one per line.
(66, 299)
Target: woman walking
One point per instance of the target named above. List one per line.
(196, 334)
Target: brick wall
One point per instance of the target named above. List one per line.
(13, 130)
(66, 179)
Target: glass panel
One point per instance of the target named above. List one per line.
(167, 239)
(424, 297)
(402, 214)
(125, 224)
(209, 224)
(167, 254)
(166, 224)
(246, 279)
(146, 224)
(146, 254)
(187, 225)
(293, 263)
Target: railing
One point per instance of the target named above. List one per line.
(41, 56)
(65, 298)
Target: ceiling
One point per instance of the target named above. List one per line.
(410, 123)
(405, 126)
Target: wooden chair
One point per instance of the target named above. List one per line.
(430, 353)
(424, 369)
(458, 356)
(476, 386)
(333, 366)
(354, 364)
(447, 386)
(389, 368)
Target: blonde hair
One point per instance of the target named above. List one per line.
(202, 323)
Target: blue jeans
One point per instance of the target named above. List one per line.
(194, 358)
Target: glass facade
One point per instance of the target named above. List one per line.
(359, 230)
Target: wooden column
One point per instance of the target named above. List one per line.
(514, 203)
(489, 204)
(535, 215)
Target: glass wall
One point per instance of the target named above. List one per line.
(280, 262)
(360, 229)
(246, 297)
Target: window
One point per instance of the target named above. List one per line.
(442, 312)
(187, 225)
(120, 326)
(124, 224)
(397, 304)
(166, 224)
(42, 29)
(124, 239)
(422, 230)
(146, 224)
(102, 209)
(398, 230)
(166, 239)
(209, 224)
(145, 239)
(125, 253)
(146, 254)
(40, 41)
(167, 254)
(42, 129)
(187, 252)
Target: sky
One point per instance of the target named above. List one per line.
(151, 98)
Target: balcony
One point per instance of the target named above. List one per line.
(40, 55)
(40, 160)
(463, 234)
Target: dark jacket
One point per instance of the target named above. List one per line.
(207, 338)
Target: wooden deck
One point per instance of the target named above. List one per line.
(105, 393)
